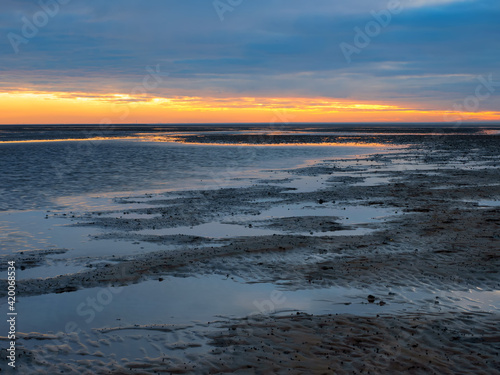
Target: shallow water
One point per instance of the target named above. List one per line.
(349, 212)
(71, 178)
(178, 300)
(31, 230)
(78, 178)
(488, 203)
(253, 225)
(40, 175)
(170, 319)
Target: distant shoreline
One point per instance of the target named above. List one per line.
(291, 125)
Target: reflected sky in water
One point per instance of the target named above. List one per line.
(35, 175)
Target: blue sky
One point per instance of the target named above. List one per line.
(430, 53)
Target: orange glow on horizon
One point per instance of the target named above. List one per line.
(31, 107)
(70, 140)
(178, 140)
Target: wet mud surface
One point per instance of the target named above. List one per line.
(420, 218)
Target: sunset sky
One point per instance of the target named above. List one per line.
(205, 61)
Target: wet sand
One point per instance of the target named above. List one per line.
(442, 234)
(460, 343)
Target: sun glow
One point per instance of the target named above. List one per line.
(32, 107)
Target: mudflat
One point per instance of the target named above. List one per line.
(410, 237)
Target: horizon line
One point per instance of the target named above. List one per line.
(449, 123)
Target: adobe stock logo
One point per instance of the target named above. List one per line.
(462, 111)
(30, 28)
(222, 7)
(372, 29)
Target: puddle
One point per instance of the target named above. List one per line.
(307, 184)
(221, 230)
(170, 318)
(267, 200)
(209, 230)
(30, 231)
(473, 300)
(129, 215)
(373, 181)
(104, 202)
(348, 214)
(203, 299)
(251, 225)
(484, 203)
(45, 271)
(488, 203)
(476, 300)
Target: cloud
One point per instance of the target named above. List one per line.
(427, 3)
(427, 53)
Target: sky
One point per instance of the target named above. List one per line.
(244, 61)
